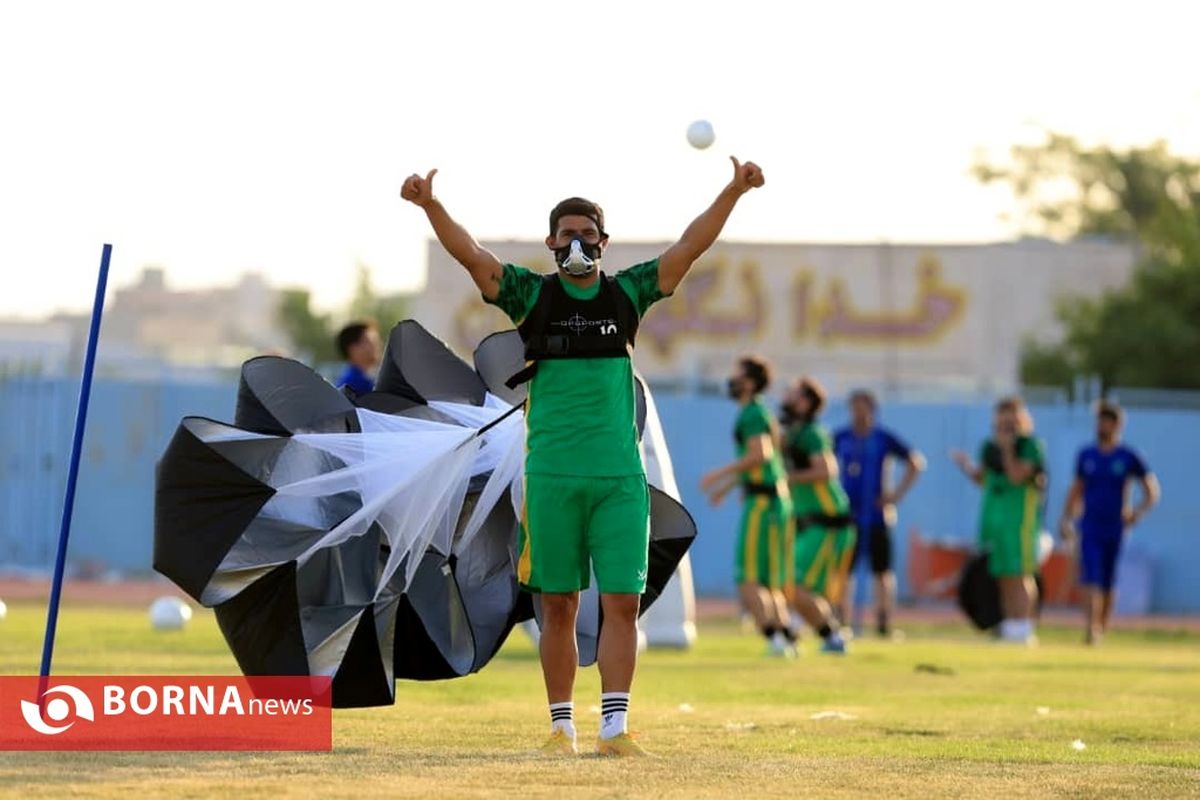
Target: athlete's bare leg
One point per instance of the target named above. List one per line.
(560, 657)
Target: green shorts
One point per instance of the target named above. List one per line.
(573, 526)
(764, 541)
(822, 559)
(1009, 532)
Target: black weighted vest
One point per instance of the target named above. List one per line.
(562, 326)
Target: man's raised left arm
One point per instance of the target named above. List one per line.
(704, 230)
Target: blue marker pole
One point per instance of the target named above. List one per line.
(85, 392)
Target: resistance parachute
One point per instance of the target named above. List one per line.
(368, 539)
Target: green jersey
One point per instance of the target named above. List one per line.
(756, 420)
(1011, 513)
(1002, 497)
(995, 481)
(805, 442)
(581, 416)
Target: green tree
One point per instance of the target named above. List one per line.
(367, 303)
(311, 333)
(1148, 332)
(1045, 364)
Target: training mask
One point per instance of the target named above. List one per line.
(575, 260)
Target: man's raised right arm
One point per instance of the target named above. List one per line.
(486, 270)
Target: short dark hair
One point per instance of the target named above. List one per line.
(867, 396)
(815, 392)
(758, 370)
(577, 206)
(1016, 404)
(1011, 402)
(352, 334)
(1109, 408)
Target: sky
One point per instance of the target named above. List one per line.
(221, 137)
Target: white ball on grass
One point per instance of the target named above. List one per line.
(169, 614)
(700, 134)
(3, 610)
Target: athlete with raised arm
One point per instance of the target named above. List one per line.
(586, 505)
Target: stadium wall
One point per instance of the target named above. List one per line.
(131, 422)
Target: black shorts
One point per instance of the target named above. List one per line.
(878, 547)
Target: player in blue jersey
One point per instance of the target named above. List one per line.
(863, 449)
(360, 346)
(1103, 472)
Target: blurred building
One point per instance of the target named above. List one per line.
(152, 330)
(36, 347)
(219, 326)
(910, 319)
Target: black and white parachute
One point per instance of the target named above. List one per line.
(370, 539)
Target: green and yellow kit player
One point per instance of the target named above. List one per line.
(762, 552)
(824, 541)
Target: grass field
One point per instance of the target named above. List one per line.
(724, 721)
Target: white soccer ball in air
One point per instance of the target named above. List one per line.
(3, 610)
(169, 614)
(700, 134)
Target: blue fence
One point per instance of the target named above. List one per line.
(130, 424)
(943, 504)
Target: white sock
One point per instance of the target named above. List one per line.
(562, 718)
(1016, 630)
(614, 713)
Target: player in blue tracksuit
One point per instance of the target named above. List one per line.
(1103, 472)
(862, 451)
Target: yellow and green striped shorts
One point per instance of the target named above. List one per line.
(823, 556)
(764, 542)
(1010, 524)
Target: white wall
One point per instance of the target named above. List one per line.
(951, 317)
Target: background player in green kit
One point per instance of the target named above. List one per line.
(824, 543)
(762, 553)
(586, 503)
(1011, 470)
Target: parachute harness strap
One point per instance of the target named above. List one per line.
(498, 420)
